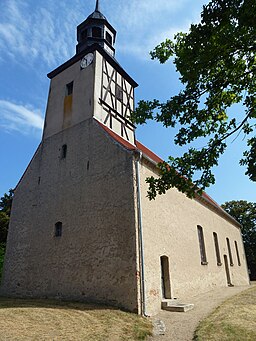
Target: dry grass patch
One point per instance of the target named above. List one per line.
(234, 320)
(60, 321)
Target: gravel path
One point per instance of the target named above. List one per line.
(181, 326)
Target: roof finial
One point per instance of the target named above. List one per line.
(97, 8)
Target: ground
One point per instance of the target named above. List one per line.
(28, 320)
(181, 326)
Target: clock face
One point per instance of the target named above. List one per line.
(87, 60)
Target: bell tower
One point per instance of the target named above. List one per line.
(96, 30)
(92, 84)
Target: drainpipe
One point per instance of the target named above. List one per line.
(138, 157)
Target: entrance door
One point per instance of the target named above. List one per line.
(166, 286)
(227, 270)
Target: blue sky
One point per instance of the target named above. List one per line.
(37, 36)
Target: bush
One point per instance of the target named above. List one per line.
(2, 252)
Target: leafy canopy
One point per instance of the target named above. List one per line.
(245, 213)
(217, 65)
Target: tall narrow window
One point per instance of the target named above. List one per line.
(119, 93)
(229, 253)
(108, 38)
(237, 254)
(58, 229)
(69, 88)
(217, 249)
(64, 149)
(202, 245)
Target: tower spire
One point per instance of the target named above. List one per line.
(97, 8)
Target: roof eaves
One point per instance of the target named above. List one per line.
(155, 159)
(113, 62)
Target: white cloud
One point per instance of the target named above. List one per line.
(46, 30)
(39, 31)
(135, 15)
(16, 117)
(144, 24)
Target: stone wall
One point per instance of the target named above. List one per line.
(91, 192)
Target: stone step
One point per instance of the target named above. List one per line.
(172, 305)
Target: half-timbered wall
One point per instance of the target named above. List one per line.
(114, 99)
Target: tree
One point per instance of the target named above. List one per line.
(4, 223)
(217, 65)
(2, 251)
(5, 211)
(6, 202)
(245, 213)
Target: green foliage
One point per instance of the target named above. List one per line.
(245, 213)
(6, 202)
(4, 223)
(217, 65)
(5, 211)
(2, 251)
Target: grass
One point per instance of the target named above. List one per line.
(234, 320)
(2, 251)
(59, 321)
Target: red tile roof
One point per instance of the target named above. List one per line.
(156, 159)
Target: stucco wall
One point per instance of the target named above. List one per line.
(91, 192)
(170, 229)
(81, 107)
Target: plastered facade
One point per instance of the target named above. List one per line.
(170, 229)
(82, 102)
(91, 192)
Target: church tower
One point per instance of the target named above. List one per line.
(72, 232)
(92, 83)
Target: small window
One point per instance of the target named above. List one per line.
(58, 229)
(237, 254)
(69, 89)
(108, 38)
(96, 32)
(84, 34)
(202, 245)
(64, 149)
(229, 253)
(119, 93)
(217, 249)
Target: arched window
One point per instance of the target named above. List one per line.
(201, 245)
(58, 229)
(96, 32)
(229, 252)
(217, 249)
(237, 254)
(64, 149)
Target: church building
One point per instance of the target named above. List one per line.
(81, 225)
